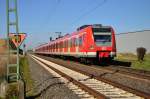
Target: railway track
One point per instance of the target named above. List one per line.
(125, 71)
(130, 71)
(98, 88)
(78, 91)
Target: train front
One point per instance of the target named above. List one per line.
(104, 38)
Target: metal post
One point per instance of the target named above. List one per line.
(59, 34)
(12, 76)
(17, 31)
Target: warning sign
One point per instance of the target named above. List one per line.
(17, 39)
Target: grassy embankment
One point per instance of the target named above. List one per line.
(24, 67)
(2, 68)
(128, 57)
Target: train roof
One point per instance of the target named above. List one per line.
(93, 25)
(74, 33)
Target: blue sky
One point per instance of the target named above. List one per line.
(40, 19)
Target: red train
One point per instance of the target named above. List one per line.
(88, 42)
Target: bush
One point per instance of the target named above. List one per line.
(141, 51)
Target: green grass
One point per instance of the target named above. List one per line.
(24, 67)
(128, 57)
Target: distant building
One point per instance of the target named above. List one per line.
(128, 42)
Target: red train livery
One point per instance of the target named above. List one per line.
(88, 42)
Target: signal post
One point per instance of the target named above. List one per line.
(15, 38)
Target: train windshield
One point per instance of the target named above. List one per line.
(102, 36)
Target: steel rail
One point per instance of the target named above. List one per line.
(113, 83)
(129, 71)
(118, 85)
(82, 86)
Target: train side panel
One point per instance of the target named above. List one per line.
(89, 42)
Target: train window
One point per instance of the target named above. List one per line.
(65, 44)
(80, 41)
(62, 44)
(83, 37)
(74, 41)
(77, 41)
(70, 43)
(102, 40)
(58, 45)
(102, 30)
(54, 45)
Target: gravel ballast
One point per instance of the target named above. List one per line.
(46, 86)
(122, 79)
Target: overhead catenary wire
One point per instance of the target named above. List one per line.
(50, 15)
(88, 12)
(79, 18)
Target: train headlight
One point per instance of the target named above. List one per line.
(112, 54)
(92, 47)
